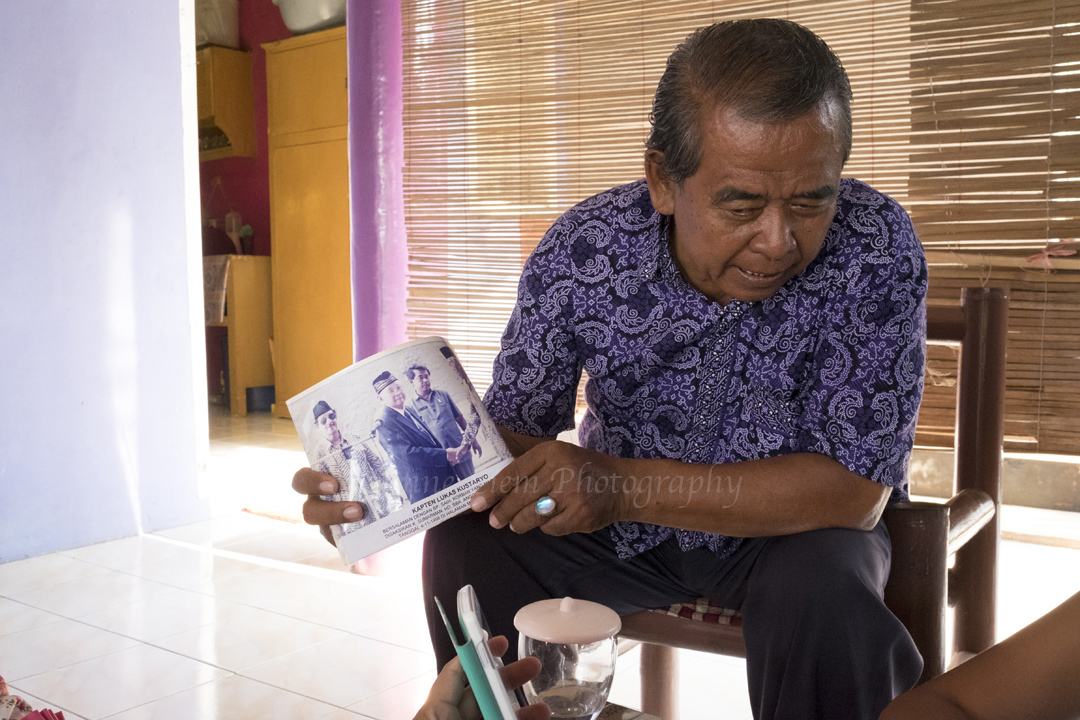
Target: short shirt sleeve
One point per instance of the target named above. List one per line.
(862, 400)
(537, 370)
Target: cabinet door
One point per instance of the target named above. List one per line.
(306, 86)
(204, 87)
(312, 299)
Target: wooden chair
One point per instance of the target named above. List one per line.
(925, 535)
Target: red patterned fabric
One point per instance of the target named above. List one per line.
(701, 611)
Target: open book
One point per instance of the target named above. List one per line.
(406, 436)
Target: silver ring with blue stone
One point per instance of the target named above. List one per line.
(545, 506)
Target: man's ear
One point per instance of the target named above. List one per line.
(661, 188)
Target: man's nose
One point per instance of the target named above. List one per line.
(774, 238)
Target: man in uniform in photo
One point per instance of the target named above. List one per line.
(440, 415)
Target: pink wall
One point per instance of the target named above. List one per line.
(246, 181)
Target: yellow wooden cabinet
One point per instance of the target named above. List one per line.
(309, 210)
(226, 119)
(247, 317)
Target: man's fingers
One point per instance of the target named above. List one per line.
(562, 524)
(513, 475)
(518, 508)
(521, 509)
(325, 512)
(309, 482)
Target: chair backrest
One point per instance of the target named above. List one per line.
(926, 534)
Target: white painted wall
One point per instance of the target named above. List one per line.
(102, 409)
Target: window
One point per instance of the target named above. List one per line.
(965, 111)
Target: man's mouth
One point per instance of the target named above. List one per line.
(758, 277)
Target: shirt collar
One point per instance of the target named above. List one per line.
(658, 264)
(654, 248)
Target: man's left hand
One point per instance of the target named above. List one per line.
(589, 490)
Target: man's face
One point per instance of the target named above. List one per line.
(453, 363)
(327, 423)
(756, 212)
(421, 382)
(393, 395)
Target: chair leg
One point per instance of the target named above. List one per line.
(660, 681)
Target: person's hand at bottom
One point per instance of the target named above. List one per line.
(449, 699)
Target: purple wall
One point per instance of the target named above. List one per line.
(376, 159)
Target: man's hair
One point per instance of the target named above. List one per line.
(410, 372)
(768, 71)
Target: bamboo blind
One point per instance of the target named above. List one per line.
(965, 111)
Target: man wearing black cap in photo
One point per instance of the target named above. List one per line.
(365, 477)
(423, 465)
(332, 439)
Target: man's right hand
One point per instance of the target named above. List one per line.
(317, 511)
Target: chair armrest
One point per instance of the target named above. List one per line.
(969, 512)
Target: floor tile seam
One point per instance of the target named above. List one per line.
(199, 660)
(270, 563)
(350, 707)
(242, 674)
(163, 697)
(52, 584)
(314, 622)
(94, 627)
(203, 627)
(387, 642)
(357, 713)
(77, 662)
(15, 691)
(232, 673)
(116, 605)
(165, 637)
(310, 647)
(125, 569)
(58, 616)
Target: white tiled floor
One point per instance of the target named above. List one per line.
(246, 617)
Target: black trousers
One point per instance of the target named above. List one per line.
(820, 642)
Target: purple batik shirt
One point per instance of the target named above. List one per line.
(830, 364)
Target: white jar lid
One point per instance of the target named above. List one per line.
(567, 621)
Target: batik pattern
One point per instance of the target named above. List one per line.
(830, 364)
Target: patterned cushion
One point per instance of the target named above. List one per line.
(702, 611)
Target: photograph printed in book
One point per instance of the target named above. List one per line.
(407, 438)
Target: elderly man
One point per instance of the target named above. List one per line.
(753, 331)
(423, 465)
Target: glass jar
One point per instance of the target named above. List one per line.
(576, 645)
